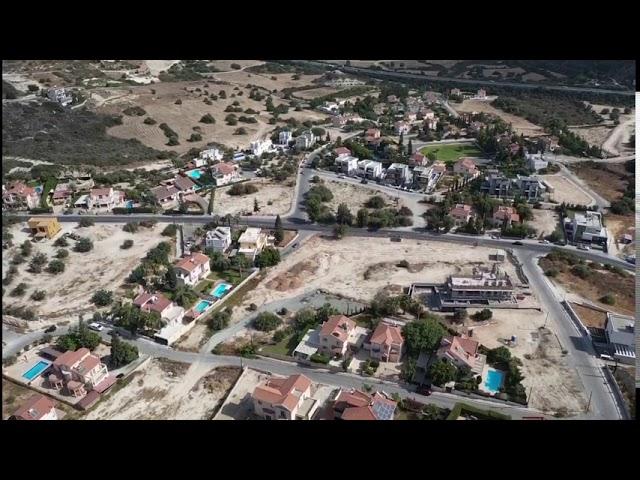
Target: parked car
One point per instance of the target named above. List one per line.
(295, 245)
(50, 329)
(518, 243)
(96, 326)
(583, 247)
(364, 181)
(425, 390)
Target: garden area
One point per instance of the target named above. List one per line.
(450, 153)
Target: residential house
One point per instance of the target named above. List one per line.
(284, 399)
(398, 174)
(586, 227)
(455, 92)
(402, 128)
(260, 146)
(439, 167)
(497, 184)
(504, 215)
(192, 268)
(60, 95)
(342, 152)
(17, 196)
(369, 169)
(331, 108)
(392, 99)
(62, 193)
(342, 120)
(426, 114)
(343, 82)
(284, 137)
(305, 141)
(334, 335)
(224, 173)
(620, 332)
(461, 214)
(358, 405)
(171, 314)
(79, 370)
(536, 161)
(421, 176)
(410, 117)
(251, 242)
(418, 160)
(430, 123)
(210, 154)
(36, 407)
(44, 227)
(347, 164)
(219, 239)
(466, 167)
(164, 195)
(462, 351)
(372, 133)
(482, 94)
(530, 188)
(481, 286)
(386, 342)
(184, 185)
(105, 198)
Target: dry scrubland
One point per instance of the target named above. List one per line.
(280, 196)
(355, 196)
(168, 390)
(567, 191)
(68, 293)
(520, 125)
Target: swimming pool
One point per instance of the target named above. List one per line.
(493, 380)
(195, 174)
(221, 289)
(202, 306)
(36, 370)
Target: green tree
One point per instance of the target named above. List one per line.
(170, 278)
(122, 353)
(256, 207)
(268, 257)
(362, 217)
(339, 231)
(61, 242)
(184, 296)
(442, 372)
(219, 320)
(267, 321)
(410, 148)
(499, 356)
(422, 335)
(343, 215)
(279, 232)
(26, 248)
(102, 298)
(56, 266)
(211, 200)
(86, 222)
(84, 245)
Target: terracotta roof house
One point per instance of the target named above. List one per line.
(386, 343)
(171, 314)
(466, 166)
(334, 335)
(439, 167)
(462, 351)
(461, 214)
(18, 196)
(505, 214)
(225, 172)
(357, 405)
(105, 198)
(153, 302)
(36, 407)
(417, 160)
(342, 151)
(81, 367)
(192, 268)
(184, 184)
(284, 399)
(165, 195)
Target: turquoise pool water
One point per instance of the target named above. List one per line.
(195, 174)
(36, 370)
(202, 306)
(221, 289)
(494, 380)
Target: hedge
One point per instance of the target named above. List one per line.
(482, 414)
(39, 210)
(124, 210)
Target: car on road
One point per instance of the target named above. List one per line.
(544, 242)
(604, 356)
(425, 390)
(295, 245)
(583, 247)
(364, 181)
(518, 243)
(50, 329)
(96, 326)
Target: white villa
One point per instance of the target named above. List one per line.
(251, 242)
(347, 164)
(218, 239)
(192, 268)
(260, 146)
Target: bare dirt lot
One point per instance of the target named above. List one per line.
(567, 191)
(266, 80)
(521, 125)
(608, 180)
(355, 196)
(225, 65)
(617, 226)
(590, 317)
(315, 93)
(273, 199)
(167, 390)
(553, 385)
(360, 267)
(69, 293)
(544, 221)
(593, 135)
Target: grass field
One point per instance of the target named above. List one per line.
(452, 152)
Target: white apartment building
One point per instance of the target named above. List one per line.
(369, 169)
(284, 137)
(210, 154)
(347, 164)
(305, 141)
(260, 146)
(251, 242)
(218, 239)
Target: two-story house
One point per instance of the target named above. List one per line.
(79, 370)
(347, 164)
(402, 128)
(284, 137)
(461, 214)
(386, 343)
(17, 196)
(504, 216)
(334, 335)
(284, 399)
(398, 174)
(466, 167)
(171, 314)
(218, 239)
(36, 407)
(251, 242)
(224, 173)
(192, 268)
(358, 405)
(105, 198)
(462, 351)
(184, 185)
(620, 332)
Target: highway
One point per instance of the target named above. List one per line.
(428, 78)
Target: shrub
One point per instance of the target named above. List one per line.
(173, 141)
(149, 121)
(320, 358)
(242, 189)
(219, 320)
(56, 266)
(581, 271)
(552, 272)
(131, 227)
(62, 253)
(83, 245)
(279, 336)
(403, 264)
(484, 314)
(608, 299)
(170, 230)
(127, 244)
(20, 290)
(207, 118)
(375, 202)
(240, 131)
(122, 353)
(195, 137)
(26, 248)
(235, 66)
(460, 314)
(267, 321)
(102, 298)
(178, 102)
(61, 242)
(38, 295)
(86, 222)
(247, 350)
(253, 307)
(135, 111)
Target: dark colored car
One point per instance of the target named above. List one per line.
(364, 182)
(518, 243)
(295, 245)
(425, 390)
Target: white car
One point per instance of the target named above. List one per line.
(96, 326)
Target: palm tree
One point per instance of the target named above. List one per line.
(184, 296)
(227, 219)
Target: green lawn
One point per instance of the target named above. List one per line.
(283, 347)
(49, 185)
(450, 153)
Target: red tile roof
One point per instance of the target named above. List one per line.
(342, 151)
(36, 407)
(70, 358)
(20, 189)
(503, 213)
(283, 392)
(190, 262)
(386, 334)
(98, 192)
(225, 168)
(163, 192)
(460, 211)
(462, 348)
(87, 364)
(466, 163)
(339, 326)
(357, 405)
(183, 183)
(152, 302)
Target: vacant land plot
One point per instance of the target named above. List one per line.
(521, 125)
(225, 65)
(608, 180)
(356, 196)
(273, 199)
(267, 81)
(544, 221)
(238, 405)
(168, 390)
(594, 135)
(552, 385)
(452, 152)
(590, 317)
(567, 191)
(69, 293)
(617, 226)
(360, 267)
(315, 93)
